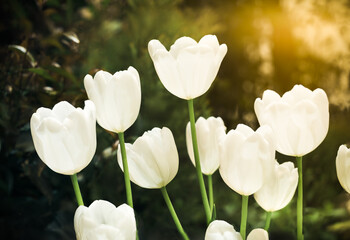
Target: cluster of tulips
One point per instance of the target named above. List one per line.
(293, 124)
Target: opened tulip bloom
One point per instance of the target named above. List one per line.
(278, 188)
(153, 158)
(209, 133)
(247, 158)
(221, 230)
(65, 137)
(103, 221)
(189, 68)
(299, 119)
(117, 98)
(343, 167)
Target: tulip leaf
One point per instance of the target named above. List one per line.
(42, 73)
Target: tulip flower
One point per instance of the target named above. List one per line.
(299, 119)
(221, 230)
(209, 133)
(117, 98)
(153, 163)
(153, 158)
(247, 158)
(65, 137)
(189, 68)
(343, 167)
(103, 221)
(278, 189)
(187, 71)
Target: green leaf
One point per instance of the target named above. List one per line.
(42, 73)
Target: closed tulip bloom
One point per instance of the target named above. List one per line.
(221, 230)
(247, 157)
(189, 68)
(299, 119)
(343, 167)
(153, 159)
(117, 98)
(65, 137)
(278, 188)
(103, 221)
(209, 133)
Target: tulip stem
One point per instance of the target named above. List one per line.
(211, 194)
(244, 216)
(300, 200)
(268, 220)
(198, 164)
(77, 189)
(173, 213)
(126, 170)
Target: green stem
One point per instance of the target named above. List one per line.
(300, 200)
(268, 220)
(244, 216)
(211, 193)
(77, 189)
(173, 213)
(126, 170)
(197, 161)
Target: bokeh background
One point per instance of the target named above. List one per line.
(48, 46)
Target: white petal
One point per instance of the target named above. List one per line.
(258, 234)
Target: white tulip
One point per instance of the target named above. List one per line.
(221, 230)
(189, 68)
(247, 157)
(258, 234)
(117, 98)
(343, 167)
(103, 221)
(65, 137)
(278, 188)
(299, 119)
(153, 159)
(209, 133)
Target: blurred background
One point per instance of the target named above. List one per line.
(48, 46)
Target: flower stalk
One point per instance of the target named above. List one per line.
(173, 213)
(126, 170)
(300, 200)
(197, 161)
(211, 194)
(77, 189)
(268, 220)
(244, 216)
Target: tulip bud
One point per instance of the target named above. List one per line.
(247, 157)
(102, 220)
(65, 137)
(117, 98)
(189, 68)
(342, 163)
(278, 188)
(153, 159)
(209, 133)
(299, 119)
